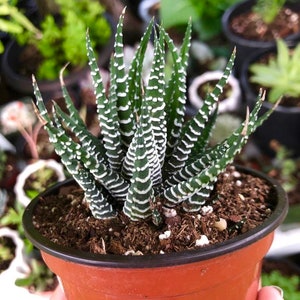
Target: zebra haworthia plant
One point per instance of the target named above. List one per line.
(148, 157)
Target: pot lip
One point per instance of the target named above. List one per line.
(236, 39)
(246, 86)
(160, 260)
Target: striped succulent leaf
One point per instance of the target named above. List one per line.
(197, 130)
(175, 94)
(147, 156)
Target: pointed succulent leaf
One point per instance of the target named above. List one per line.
(175, 94)
(68, 150)
(196, 128)
(200, 176)
(121, 103)
(134, 162)
(140, 193)
(154, 99)
(107, 109)
(95, 148)
(184, 190)
(135, 80)
(203, 159)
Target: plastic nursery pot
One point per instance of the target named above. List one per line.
(245, 46)
(284, 123)
(21, 85)
(231, 103)
(231, 269)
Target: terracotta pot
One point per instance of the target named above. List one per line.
(244, 46)
(231, 269)
(284, 123)
(21, 85)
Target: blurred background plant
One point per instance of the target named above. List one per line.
(61, 34)
(281, 72)
(14, 21)
(267, 10)
(205, 15)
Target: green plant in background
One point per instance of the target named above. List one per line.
(64, 42)
(13, 219)
(5, 250)
(3, 158)
(62, 37)
(289, 284)
(286, 165)
(14, 22)
(281, 74)
(40, 180)
(39, 279)
(206, 15)
(268, 9)
(145, 156)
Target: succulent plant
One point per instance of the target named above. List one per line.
(147, 157)
(281, 74)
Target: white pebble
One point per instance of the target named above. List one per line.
(169, 212)
(221, 224)
(238, 183)
(202, 241)
(134, 253)
(236, 174)
(206, 210)
(165, 235)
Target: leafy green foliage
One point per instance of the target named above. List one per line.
(13, 21)
(63, 37)
(287, 167)
(13, 218)
(144, 158)
(5, 250)
(268, 9)
(281, 74)
(206, 15)
(3, 158)
(40, 278)
(289, 284)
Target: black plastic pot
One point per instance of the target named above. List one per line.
(187, 275)
(21, 85)
(284, 123)
(244, 46)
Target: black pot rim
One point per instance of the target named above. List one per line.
(161, 260)
(244, 6)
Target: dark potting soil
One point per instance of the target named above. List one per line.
(240, 199)
(250, 26)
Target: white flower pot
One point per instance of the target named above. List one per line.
(226, 105)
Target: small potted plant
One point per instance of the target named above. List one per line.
(18, 117)
(45, 51)
(256, 24)
(151, 186)
(230, 99)
(277, 70)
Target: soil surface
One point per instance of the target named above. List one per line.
(242, 200)
(250, 26)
